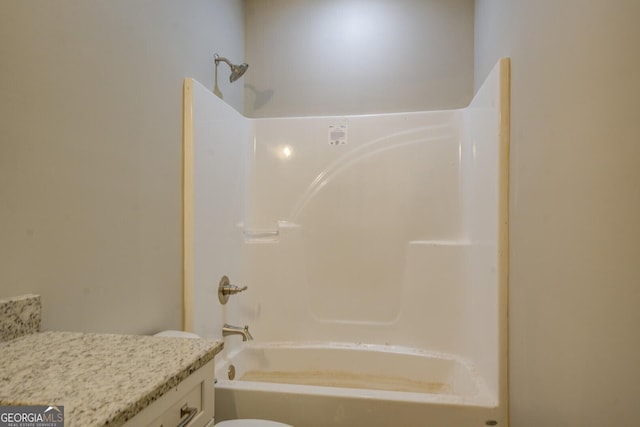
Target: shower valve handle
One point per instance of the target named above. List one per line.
(225, 288)
(232, 290)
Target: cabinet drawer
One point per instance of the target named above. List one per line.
(194, 393)
(182, 409)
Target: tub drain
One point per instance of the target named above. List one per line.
(231, 372)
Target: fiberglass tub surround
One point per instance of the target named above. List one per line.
(374, 251)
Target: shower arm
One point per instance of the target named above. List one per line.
(217, 58)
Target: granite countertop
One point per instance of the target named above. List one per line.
(100, 379)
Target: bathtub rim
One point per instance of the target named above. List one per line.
(482, 398)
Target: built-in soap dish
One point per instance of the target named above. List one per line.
(266, 235)
(261, 235)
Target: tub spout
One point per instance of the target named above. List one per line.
(237, 330)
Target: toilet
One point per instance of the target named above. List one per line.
(228, 423)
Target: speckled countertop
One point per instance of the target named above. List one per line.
(100, 379)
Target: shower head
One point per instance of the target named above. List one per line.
(236, 70)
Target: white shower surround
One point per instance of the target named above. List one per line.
(395, 239)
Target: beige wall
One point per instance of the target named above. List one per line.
(335, 57)
(575, 206)
(90, 152)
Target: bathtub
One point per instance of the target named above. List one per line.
(355, 385)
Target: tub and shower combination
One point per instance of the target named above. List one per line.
(374, 249)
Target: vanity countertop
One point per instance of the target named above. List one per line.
(100, 379)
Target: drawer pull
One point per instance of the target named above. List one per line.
(186, 415)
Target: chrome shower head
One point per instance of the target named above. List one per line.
(236, 70)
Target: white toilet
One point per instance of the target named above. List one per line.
(229, 423)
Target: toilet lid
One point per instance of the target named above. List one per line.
(250, 423)
(176, 334)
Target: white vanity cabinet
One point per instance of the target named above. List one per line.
(189, 404)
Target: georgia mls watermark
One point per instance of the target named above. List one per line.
(32, 416)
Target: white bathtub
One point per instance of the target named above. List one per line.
(354, 385)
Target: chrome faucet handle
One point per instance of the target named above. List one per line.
(225, 288)
(232, 290)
